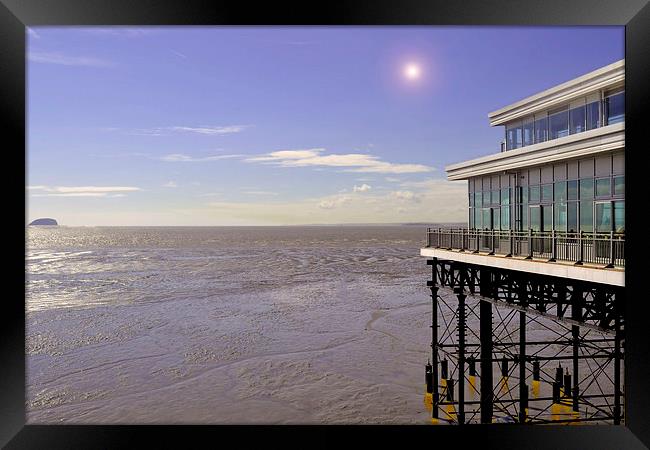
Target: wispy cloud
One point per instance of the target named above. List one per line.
(66, 60)
(363, 188)
(32, 33)
(355, 162)
(118, 31)
(170, 184)
(259, 193)
(179, 54)
(334, 201)
(405, 195)
(203, 129)
(444, 201)
(180, 157)
(82, 191)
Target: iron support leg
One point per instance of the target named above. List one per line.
(523, 388)
(485, 313)
(461, 357)
(617, 367)
(576, 314)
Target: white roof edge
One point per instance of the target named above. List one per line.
(561, 91)
(605, 138)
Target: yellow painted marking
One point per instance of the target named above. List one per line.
(535, 388)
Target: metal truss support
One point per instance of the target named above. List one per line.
(524, 322)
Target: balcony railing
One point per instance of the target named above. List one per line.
(595, 248)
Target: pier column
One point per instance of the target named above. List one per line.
(618, 299)
(461, 355)
(485, 313)
(576, 314)
(523, 388)
(434, 338)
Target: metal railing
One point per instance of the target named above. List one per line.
(582, 247)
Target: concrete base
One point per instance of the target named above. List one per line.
(561, 269)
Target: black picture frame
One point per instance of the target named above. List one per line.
(15, 15)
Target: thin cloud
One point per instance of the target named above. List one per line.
(355, 162)
(204, 130)
(180, 157)
(118, 31)
(179, 54)
(82, 191)
(363, 188)
(334, 202)
(170, 184)
(33, 33)
(66, 60)
(260, 193)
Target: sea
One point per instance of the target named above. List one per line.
(223, 325)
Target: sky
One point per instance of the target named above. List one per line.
(277, 125)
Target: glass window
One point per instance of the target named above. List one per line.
(478, 197)
(560, 216)
(577, 120)
(603, 187)
(560, 191)
(496, 215)
(572, 190)
(547, 217)
(528, 131)
(505, 218)
(477, 219)
(486, 198)
(604, 217)
(572, 217)
(505, 196)
(487, 218)
(558, 124)
(534, 194)
(593, 115)
(547, 193)
(471, 218)
(586, 215)
(587, 188)
(524, 194)
(619, 185)
(535, 218)
(513, 136)
(619, 217)
(495, 197)
(615, 108)
(471, 200)
(541, 129)
(524, 217)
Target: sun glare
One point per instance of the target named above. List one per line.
(412, 71)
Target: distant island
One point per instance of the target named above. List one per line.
(44, 221)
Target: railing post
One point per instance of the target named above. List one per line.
(611, 249)
(553, 246)
(492, 246)
(530, 244)
(511, 250)
(581, 256)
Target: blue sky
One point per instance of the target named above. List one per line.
(277, 125)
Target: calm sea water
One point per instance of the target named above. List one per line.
(84, 267)
(226, 325)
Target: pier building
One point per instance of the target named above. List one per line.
(543, 248)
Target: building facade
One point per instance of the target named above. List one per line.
(561, 165)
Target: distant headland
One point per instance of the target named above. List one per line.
(43, 221)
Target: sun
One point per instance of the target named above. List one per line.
(412, 71)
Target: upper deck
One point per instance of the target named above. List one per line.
(594, 257)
